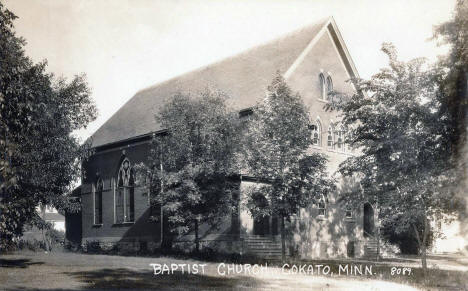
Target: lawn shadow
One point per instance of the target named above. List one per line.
(127, 279)
(17, 263)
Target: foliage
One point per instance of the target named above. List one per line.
(395, 123)
(275, 148)
(38, 112)
(193, 163)
(453, 98)
(405, 240)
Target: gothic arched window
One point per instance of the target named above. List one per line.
(329, 85)
(125, 198)
(98, 201)
(323, 88)
(317, 133)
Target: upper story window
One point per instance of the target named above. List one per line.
(329, 85)
(98, 201)
(330, 137)
(323, 87)
(125, 194)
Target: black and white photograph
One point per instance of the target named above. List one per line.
(233, 145)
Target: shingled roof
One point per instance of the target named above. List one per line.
(243, 77)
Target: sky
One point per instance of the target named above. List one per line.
(124, 46)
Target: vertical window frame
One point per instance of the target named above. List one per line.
(322, 207)
(323, 87)
(331, 136)
(124, 193)
(98, 190)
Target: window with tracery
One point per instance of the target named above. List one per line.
(125, 194)
(317, 134)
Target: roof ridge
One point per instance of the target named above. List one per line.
(296, 31)
(278, 50)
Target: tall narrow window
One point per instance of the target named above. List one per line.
(98, 202)
(317, 133)
(322, 206)
(330, 138)
(329, 85)
(125, 198)
(323, 87)
(340, 139)
(348, 211)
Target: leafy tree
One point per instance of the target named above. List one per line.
(276, 144)
(394, 122)
(192, 166)
(453, 100)
(38, 113)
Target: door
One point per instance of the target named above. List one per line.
(368, 223)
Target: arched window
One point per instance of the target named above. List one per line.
(98, 201)
(317, 133)
(322, 206)
(125, 200)
(330, 137)
(329, 85)
(323, 88)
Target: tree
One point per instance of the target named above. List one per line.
(193, 164)
(275, 147)
(394, 122)
(38, 113)
(453, 97)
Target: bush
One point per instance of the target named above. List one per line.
(56, 237)
(32, 245)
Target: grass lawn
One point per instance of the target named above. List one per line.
(71, 271)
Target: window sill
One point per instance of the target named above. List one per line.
(97, 225)
(323, 101)
(321, 217)
(350, 219)
(340, 152)
(124, 223)
(154, 219)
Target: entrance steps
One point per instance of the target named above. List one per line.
(371, 249)
(262, 246)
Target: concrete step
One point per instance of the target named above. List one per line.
(262, 246)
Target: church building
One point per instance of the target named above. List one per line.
(313, 60)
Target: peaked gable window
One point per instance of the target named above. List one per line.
(125, 194)
(323, 88)
(98, 201)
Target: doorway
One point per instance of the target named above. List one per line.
(368, 223)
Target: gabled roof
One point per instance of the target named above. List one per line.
(243, 77)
